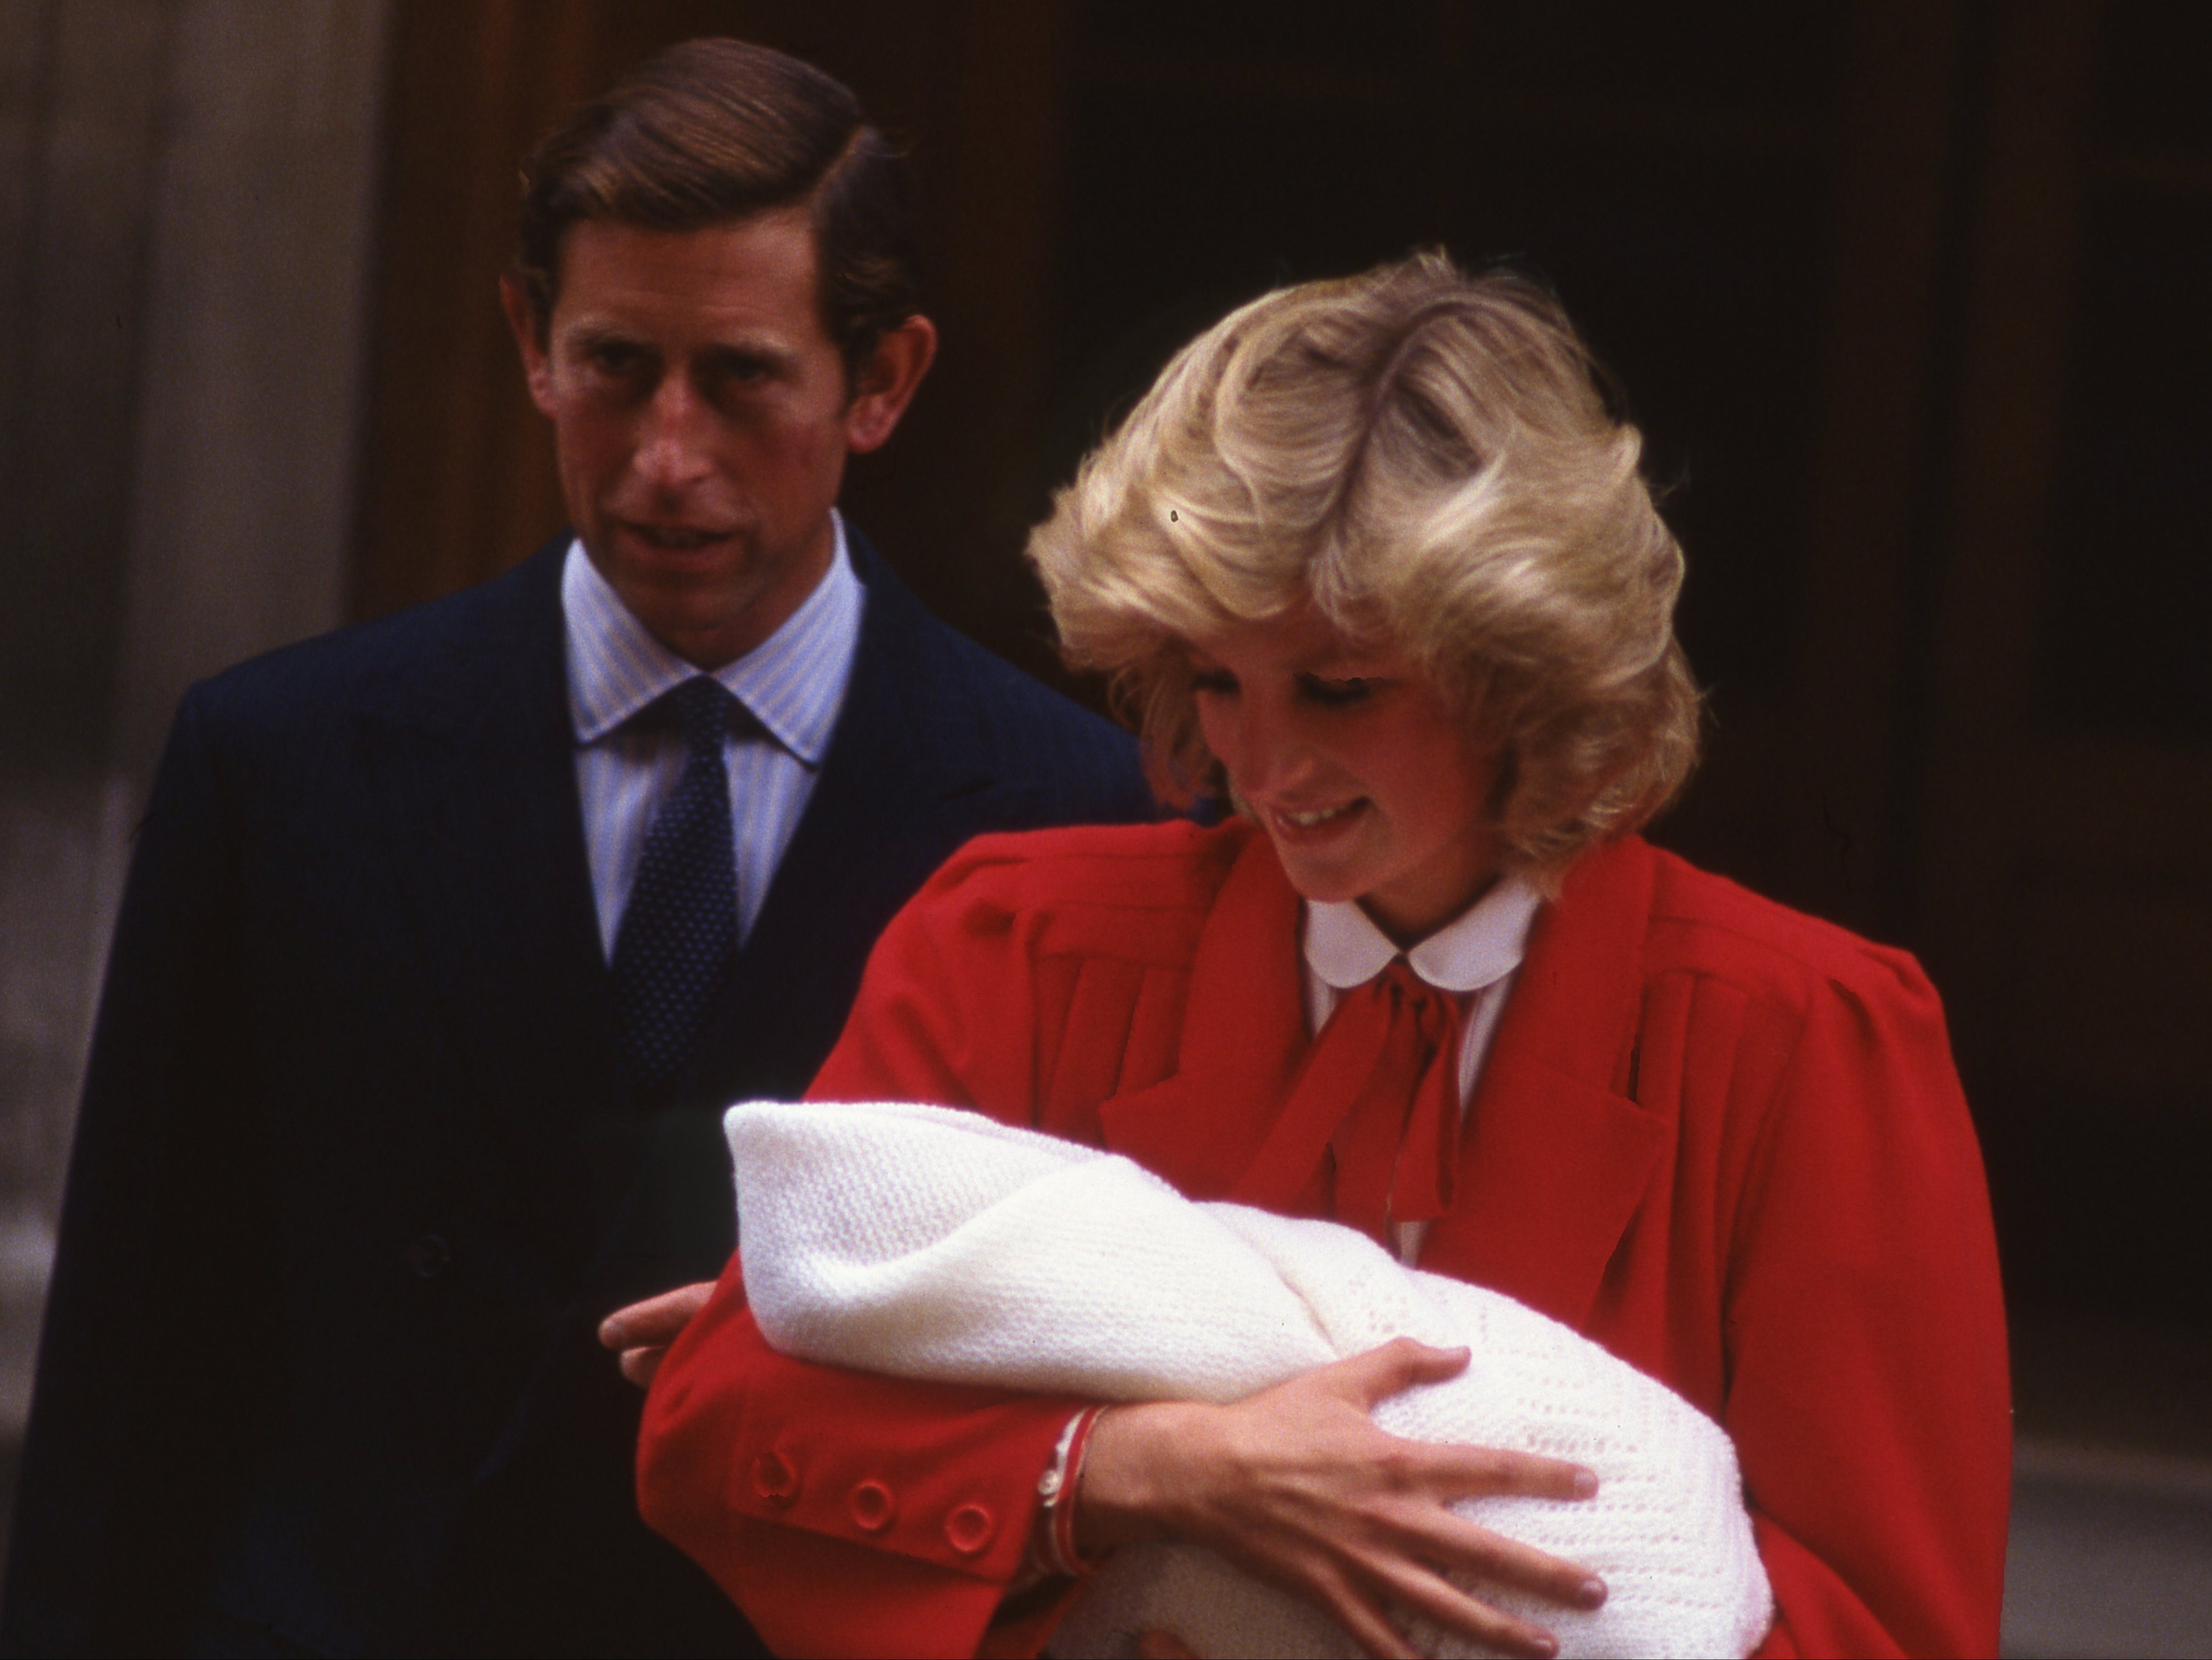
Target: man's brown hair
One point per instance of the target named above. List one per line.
(712, 131)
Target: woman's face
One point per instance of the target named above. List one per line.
(1357, 768)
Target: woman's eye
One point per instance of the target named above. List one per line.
(1337, 694)
(1213, 680)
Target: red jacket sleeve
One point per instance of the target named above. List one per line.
(1869, 1393)
(848, 1513)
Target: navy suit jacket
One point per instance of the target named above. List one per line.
(358, 1170)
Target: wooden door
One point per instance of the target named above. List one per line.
(2064, 886)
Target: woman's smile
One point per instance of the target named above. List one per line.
(1294, 822)
(1363, 773)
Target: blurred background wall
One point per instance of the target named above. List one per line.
(1909, 296)
(187, 204)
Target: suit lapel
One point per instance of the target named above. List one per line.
(1243, 1035)
(1557, 1156)
(902, 786)
(470, 752)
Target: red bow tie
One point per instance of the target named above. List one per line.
(1380, 1090)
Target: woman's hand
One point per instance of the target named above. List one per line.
(641, 1333)
(1297, 1486)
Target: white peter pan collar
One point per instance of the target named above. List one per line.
(1478, 948)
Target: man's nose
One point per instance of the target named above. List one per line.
(675, 439)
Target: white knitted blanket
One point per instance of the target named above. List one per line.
(924, 1243)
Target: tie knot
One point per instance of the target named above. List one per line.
(1400, 986)
(1374, 1116)
(702, 708)
(1398, 976)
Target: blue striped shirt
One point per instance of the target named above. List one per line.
(793, 683)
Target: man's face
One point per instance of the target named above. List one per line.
(702, 417)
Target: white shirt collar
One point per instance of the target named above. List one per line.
(1479, 947)
(616, 667)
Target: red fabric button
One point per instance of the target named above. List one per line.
(773, 1479)
(872, 1505)
(969, 1529)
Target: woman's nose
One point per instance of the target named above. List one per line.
(1272, 752)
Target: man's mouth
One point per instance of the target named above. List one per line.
(676, 538)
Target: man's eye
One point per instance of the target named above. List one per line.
(738, 374)
(612, 358)
(1213, 680)
(1337, 694)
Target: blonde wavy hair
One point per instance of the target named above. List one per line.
(1426, 457)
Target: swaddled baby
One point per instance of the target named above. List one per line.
(931, 1244)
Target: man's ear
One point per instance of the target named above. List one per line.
(887, 382)
(523, 321)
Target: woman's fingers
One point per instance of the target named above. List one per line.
(1371, 1378)
(1298, 1485)
(1420, 1527)
(1458, 1472)
(1419, 1542)
(1410, 1574)
(1357, 1601)
(1523, 1568)
(1376, 1635)
(1449, 1471)
(657, 1322)
(642, 1332)
(1356, 1609)
(1411, 1586)
(1414, 1531)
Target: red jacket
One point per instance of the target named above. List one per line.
(1722, 1139)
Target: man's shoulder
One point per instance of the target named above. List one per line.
(959, 699)
(398, 662)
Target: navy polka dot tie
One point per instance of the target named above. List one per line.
(679, 930)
